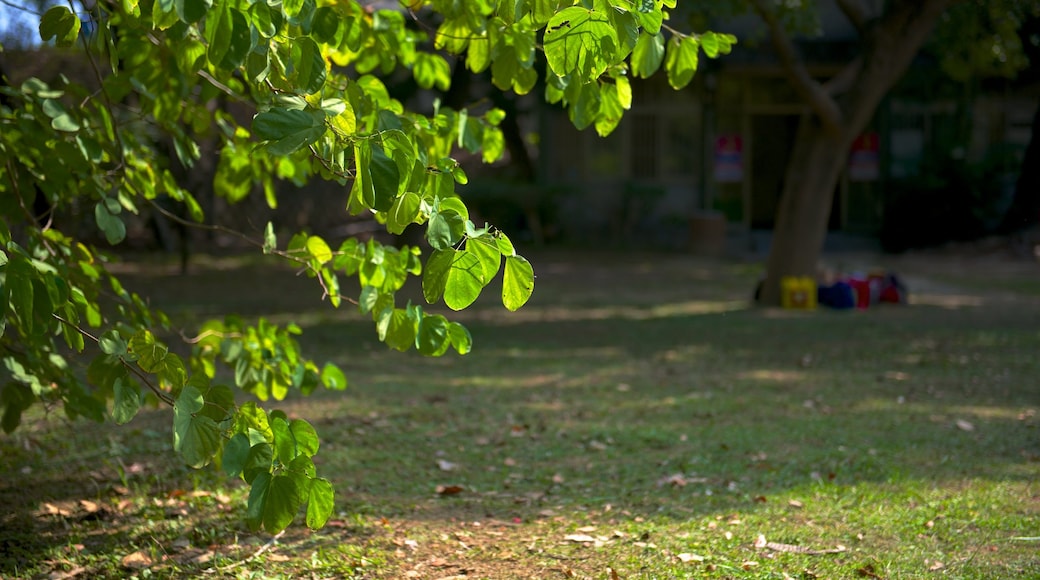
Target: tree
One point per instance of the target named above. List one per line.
(841, 107)
(307, 76)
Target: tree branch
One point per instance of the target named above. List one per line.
(853, 10)
(141, 376)
(843, 81)
(810, 90)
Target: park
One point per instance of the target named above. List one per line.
(519, 289)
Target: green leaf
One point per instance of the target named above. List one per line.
(240, 42)
(465, 280)
(461, 339)
(196, 437)
(487, 252)
(270, 242)
(318, 249)
(151, 355)
(191, 11)
(164, 14)
(220, 28)
(320, 503)
(310, 66)
(385, 178)
(403, 212)
(433, 337)
(430, 70)
(325, 24)
(112, 343)
(333, 378)
(610, 110)
(110, 224)
(681, 61)
(647, 55)
(60, 24)
(504, 244)
(652, 20)
(261, 485)
(444, 229)
(284, 444)
(288, 130)
(220, 400)
(435, 276)
(517, 282)
(126, 401)
(398, 330)
(579, 40)
(258, 461)
(281, 501)
(236, 452)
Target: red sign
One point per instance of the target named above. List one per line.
(865, 158)
(729, 159)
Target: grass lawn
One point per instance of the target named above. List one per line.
(636, 420)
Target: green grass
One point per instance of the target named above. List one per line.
(636, 401)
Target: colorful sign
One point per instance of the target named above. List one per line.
(865, 158)
(729, 159)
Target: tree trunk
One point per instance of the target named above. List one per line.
(805, 205)
(825, 135)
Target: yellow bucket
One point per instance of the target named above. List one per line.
(798, 292)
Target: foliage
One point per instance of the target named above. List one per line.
(308, 75)
(981, 39)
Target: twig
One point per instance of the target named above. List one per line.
(141, 376)
(270, 543)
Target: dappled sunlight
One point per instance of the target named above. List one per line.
(947, 301)
(512, 380)
(573, 313)
(773, 375)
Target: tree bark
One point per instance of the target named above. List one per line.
(805, 205)
(827, 132)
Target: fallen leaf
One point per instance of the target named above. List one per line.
(444, 465)
(449, 489)
(868, 571)
(271, 557)
(587, 529)
(685, 558)
(965, 425)
(795, 503)
(598, 445)
(580, 538)
(49, 509)
(674, 480)
(760, 542)
(438, 562)
(613, 573)
(936, 566)
(137, 560)
(557, 478)
(749, 565)
(509, 462)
